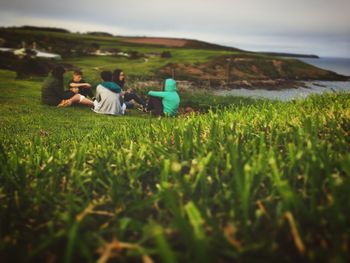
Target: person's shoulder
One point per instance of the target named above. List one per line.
(110, 84)
(102, 86)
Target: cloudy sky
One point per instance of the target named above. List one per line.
(319, 27)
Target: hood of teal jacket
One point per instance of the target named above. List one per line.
(170, 85)
(111, 86)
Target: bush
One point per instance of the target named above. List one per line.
(135, 55)
(8, 60)
(99, 34)
(166, 54)
(32, 66)
(50, 29)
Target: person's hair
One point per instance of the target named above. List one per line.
(57, 72)
(116, 75)
(106, 75)
(78, 72)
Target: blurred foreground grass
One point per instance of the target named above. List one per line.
(256, 180)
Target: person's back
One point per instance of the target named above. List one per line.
(107, 99)
(170, 97)
(52, 89)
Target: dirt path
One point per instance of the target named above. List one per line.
(157, 41)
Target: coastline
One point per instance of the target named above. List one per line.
(268, 85)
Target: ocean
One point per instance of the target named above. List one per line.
(338, 65)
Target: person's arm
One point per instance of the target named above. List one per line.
(160, 94)
(73, 89)
(79, 85)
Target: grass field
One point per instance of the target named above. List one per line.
(139, 68)
(254, 181)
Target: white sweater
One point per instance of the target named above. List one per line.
(107, 101)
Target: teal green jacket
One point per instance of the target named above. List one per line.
(170, 98)
(112, 86)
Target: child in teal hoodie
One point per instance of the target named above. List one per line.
(165, 102)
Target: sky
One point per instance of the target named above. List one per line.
(320, 27)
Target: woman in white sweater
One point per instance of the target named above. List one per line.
(108, 96)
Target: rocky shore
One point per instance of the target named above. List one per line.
(247, 71)
(185, 85)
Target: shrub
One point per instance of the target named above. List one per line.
(166, 54)
(32, 66)
(135, 55)
(8, 60)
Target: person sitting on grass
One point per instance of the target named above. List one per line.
(129, 97)
(164, 103)
(108, 96)
(78, 85)
(53, 93)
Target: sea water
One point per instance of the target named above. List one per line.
(305, 90)
(338, 65)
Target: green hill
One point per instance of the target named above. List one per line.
(189, 59)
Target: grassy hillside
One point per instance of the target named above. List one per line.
(246, 67)
(257, 180)
(139, 68)
(15, 36)
(190, 59)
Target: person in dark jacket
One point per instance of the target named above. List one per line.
(130, 98)
(53, 93)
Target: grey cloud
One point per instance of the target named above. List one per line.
(311, 21)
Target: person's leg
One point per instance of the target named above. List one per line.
(139, 100)
(86, 102)
(65, 102)
(129, 104)
(77, 98)
(133, 96)
(127, 96)
(121, 100)
(68, 94)
(87, 92)
(155, 105)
